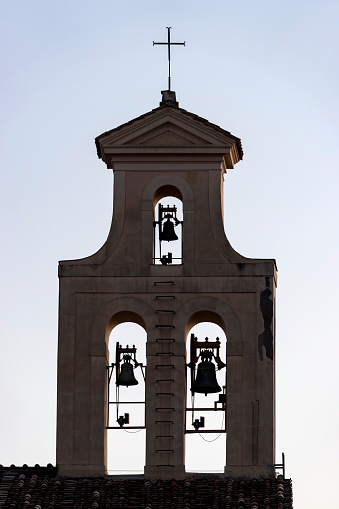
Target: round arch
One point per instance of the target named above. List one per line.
(204, 316)
(208, 309)
(213, 310)
(119, 310)
(163, 185)
(165, 191)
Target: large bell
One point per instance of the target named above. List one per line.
(168, 232)
(206, 380)
(126, 376)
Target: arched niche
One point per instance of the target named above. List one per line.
(124, 316)
(168, 211)
(127, 329)
(206, 452)
(129, 312)
(119, 310)
(167, 190)
(208, 308)
(205, 315)
(156, 189)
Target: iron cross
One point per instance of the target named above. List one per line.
(169, 44)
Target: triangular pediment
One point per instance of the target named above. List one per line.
(168, 134)
(167, 138)
(167, 128)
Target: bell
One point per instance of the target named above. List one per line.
(206, 380)
(126, 376)
(168, 232)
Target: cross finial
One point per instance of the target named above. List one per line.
(169, 44)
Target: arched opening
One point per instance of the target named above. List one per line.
(206, 415)
(168, 223)
(126, 442)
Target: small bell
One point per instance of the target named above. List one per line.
(206, 380)
(168, 232)
(126, 376)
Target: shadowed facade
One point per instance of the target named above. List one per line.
(167, 152)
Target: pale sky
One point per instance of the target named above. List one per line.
(265, 71)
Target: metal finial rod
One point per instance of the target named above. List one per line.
(169, 44)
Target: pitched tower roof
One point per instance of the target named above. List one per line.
(166, 127)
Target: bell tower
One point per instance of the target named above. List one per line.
(168, 270)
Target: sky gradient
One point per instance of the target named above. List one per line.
(265, 71)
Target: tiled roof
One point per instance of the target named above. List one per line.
(41, 488)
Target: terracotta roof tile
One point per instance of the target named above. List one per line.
(41, 488)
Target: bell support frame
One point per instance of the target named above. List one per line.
(120, 352)
(195, 346)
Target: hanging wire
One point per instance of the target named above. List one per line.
(117, 399)
(142, 372)
(192, 394)
(132, 432)
(159, 230)
(214, 439)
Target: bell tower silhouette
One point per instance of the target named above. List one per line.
(137, 276)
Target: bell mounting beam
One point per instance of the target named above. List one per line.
(205, 345)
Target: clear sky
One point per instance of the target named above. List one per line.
(266, 71)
